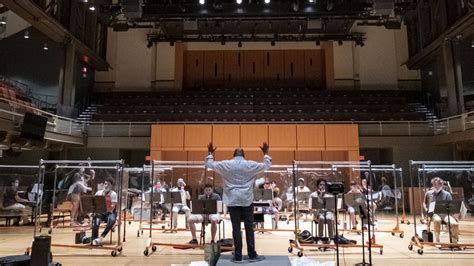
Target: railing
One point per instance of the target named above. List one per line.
(56, 124)
(366, 128)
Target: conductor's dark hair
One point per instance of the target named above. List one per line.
(110, 180)
(208, 185)
(239, 152)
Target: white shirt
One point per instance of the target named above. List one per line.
(239, 176)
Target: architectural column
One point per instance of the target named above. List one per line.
(458, 77)
(450, 78)
(179, 66)
(67, 80)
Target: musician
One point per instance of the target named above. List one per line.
(198, 218)
(275, 207)
(323, 216)
(183, 206)
(367, 191)
(78, 187)
(436, 193)
(110, 216)
(300, 188)
(355, 189)
(12, 201)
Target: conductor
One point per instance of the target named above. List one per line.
(239, 177)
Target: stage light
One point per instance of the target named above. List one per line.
(311, 1)
(267, 1)
(92, 8)
(238, 2)
(27, 34)
(239, 44)
(202, 2)
(45, 46)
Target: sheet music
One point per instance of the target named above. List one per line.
(431, 208)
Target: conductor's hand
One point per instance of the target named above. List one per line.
(265, 148)
(210, 148)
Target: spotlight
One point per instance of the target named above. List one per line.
(92, 8)
(3, 21)
(267, 1)
(27, 34)
(218, 5)
(238, 2)
(272, 43)
(318, 43)
(339, 42)
(239, 44)
(202, 2)
(311, 1)
(45, 46)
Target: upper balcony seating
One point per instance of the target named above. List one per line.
(258, 105)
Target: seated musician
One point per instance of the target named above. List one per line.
(350, 209)
(436, 193)
(183, 206)
(275, 206)
(299, 189)
(198, 218)
(323, 216)
(12, 201)
(110, 216)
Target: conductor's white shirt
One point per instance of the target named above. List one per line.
(239, 176)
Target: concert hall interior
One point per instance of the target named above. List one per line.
(221, 132)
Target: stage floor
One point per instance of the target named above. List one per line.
(14, 240)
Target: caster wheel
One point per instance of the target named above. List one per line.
(153, 248)
(142, 232)
(410, 247)
(50, 231)
(119, 249)
(402, 222)
(420, 251)
(290, 249)
(138, 234)
(113, 253)
(393, 234)
(381, 252)
(300, 254)
(402, 235)
(408, 223)
(145, 252)
(129, 222)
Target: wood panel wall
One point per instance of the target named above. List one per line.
(253, 68)
(288, 142)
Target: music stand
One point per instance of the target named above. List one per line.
(447, 207)
(259, 196)
(326, 203)
(172, 198)
(205, 208)
(262, 194)
(359, 203)
(93, 204)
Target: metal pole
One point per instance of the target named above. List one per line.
(396, 194)
(368, 216)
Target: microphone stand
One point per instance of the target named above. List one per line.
(362, 217)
